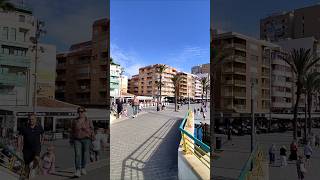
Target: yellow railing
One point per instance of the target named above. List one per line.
(253, 169)
(192, 145)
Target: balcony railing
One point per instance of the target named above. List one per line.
(12, 60)
(240, 46)
(12, 79)
(191, 144)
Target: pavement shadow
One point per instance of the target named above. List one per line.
(155, 158)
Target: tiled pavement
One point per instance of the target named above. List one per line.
(146, 147)
(237, 151)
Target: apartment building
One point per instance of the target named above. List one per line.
(297, 23)
(149, 78)
(133, 85)
(82, 72)
(201, 69)
(283, 85)
(115, 86)
(187, 86)
(306, 43)
(247, 70)
(198, 88)
(123, 84)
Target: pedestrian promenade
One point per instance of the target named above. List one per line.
(146, 147)
(236, 152)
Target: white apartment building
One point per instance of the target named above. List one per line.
(115, 72)
(306, 43)
(198, 88)
(16, 57)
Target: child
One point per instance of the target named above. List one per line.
(283, 155)
(99, 140)
(48, 161)
(125, 111)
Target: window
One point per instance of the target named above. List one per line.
(13, 34)
(23, 33)
(22, 18)
(5, 33)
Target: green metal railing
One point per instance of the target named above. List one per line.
(254, 165)
(14, 163)
(193, 145)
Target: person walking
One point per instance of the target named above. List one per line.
(272, 153)
(301, 168)
(119, 107)
(135, 106)
(293, 151)
(31, 136)
(317, 140)
(81, 137)
(308, 153)
(283, 155)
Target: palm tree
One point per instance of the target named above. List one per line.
(300, 61)
(311, 85)
(176, 79)
(204, 82)
(219, 53)
(6, 5)
(160, 70)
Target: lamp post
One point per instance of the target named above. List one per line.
(35, 47)
(252, 118)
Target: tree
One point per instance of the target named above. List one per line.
(161, 68)
(219, 53)
(204, 84)
(176, 79)
(311, 85)
(300, 61)
(6, 5)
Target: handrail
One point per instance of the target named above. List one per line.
(13, 159)
(205, 147)
(255, 161)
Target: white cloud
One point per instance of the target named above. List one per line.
(129, 60)
(189, 55)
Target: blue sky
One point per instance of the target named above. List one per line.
(68, 21)
(244, 16)
(173, 32)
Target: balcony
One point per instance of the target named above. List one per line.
(114, 86)
(83, 89)
(239, 46)
(61, 66)
(241, 83)
(60, 78)
(239, 59)
(240, 94)
(240, 107)
(60, 89)
(83, 76)
(12, 79)
(12, 60)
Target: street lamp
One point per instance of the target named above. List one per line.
(35, 42)
(252, 116)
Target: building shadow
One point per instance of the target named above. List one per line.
(157, 157)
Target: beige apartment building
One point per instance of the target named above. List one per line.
(246, 71)
(147, 81)
(201, 69)
(82, 72)
(187, 86)
(298, 23)
(133, 85)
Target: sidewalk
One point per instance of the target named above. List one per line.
(236, 153)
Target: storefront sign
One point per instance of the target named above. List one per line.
(48, 113)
